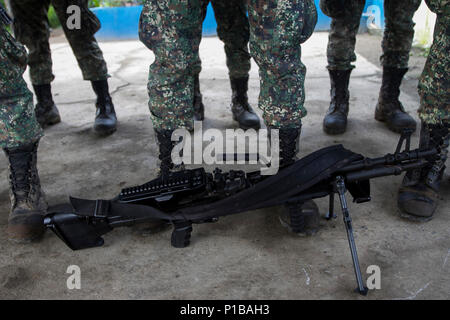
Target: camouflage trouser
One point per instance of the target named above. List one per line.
(233, 30)
(31, 28)
(434, 84)
(172, 30)
(398, 33)
(18, 125)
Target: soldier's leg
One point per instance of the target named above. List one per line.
(343, 29)
(346, 16)
(199, 108)
(90, 60)
(419, 194)
(19, 136)
(172, 30)
(398, 33)
(277, 28)
(82, 41)
(233, 30)
(31, 29)
(397, 41)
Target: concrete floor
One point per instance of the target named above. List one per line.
(247, 256)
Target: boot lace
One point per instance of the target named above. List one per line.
(21, 176)
(288, 145)
(166, 145)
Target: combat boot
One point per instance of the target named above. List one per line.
(28, 204)
(242, 112)
(389, 109)
(166, 166)
(335, 121)
(301, 218)
(105, 117)
(47, 113)
(165, 145)
(419, 194)
(199, 108)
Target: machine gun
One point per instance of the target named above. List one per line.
(195, 196)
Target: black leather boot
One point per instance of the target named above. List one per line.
(199, 108)
(166, 166)
(301, 218)
(242, 112)
(289, 145)
(389, 109)
(105, 117)
(165, 144)
(47, 113)
(28, 205)
(419, 194)
(335, 121)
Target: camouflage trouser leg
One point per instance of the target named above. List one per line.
(277, 28)
(83, 43)
(398, 33)
(233, 30)
(18, 125)
(172, 29)
(434, 84)
(198, 64)
(31, 29)
(342, 36)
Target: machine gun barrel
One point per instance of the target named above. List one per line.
(389, 159)
(393, 170)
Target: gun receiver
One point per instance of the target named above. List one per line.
(188, 187)
(163, 189)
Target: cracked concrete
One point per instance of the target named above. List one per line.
(247, 256)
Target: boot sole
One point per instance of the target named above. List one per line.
(249, 127)
(104, 131)
(23, 235)
(51, 122)
(379, 117)
(244, 127)
(412, 218)
(334, 131)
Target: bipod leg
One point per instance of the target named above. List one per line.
(340, 187)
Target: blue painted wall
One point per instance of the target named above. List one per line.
(118, 23)
(121, 23)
